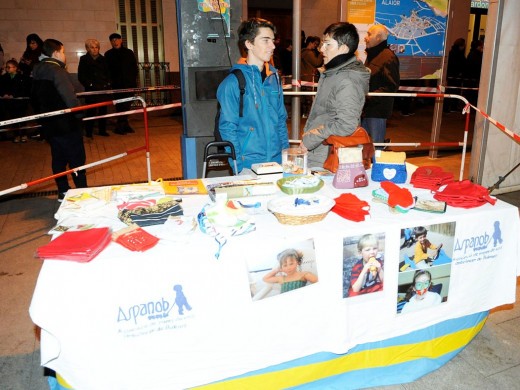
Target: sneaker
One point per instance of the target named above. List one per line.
(61, 196)
(16, 140)
(24, 139)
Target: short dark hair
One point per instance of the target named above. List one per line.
(312, 39)
(345, 33)
(114, 36)
(50, 46)
(248, 30)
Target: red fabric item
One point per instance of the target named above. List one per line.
(430, 177)
(350, 207)
(464, 194)
(138, 240)
(81, 246)
(397, 196)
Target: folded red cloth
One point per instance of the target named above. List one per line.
(397, 196)
(430, 177)
(464, 194)
(350, 207)
(81, 246)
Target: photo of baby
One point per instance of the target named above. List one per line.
(285, 271)
(363, 264)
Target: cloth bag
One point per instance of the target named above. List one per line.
(351, 172)
(359, 137)
(389, 166)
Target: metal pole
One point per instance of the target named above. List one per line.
(295, 101)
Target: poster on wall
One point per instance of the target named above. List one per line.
(221, 8)
(417, 30)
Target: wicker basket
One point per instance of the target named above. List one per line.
(298, 219)
(281, 208)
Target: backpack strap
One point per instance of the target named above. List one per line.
(242, 86)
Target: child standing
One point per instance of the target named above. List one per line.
(421, 257)
(14, 84)
(367, 274)
(289, 274)
(423, 298)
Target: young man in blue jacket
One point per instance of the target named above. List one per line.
(261, 133)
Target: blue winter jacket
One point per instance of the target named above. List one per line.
(261, 134)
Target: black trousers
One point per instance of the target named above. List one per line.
(68, 150)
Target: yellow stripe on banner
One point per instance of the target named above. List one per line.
(381, 357)
(62, 382)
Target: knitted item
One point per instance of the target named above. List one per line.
(464, 194)
(397, 196)
(430, 177)
(351, 207)
(390, 157)
(389, 166)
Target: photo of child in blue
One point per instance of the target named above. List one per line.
(289, 274)
(260, 135)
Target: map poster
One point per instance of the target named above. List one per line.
(417, 27)
(361, 11)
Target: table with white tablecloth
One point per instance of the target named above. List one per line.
(176, 317)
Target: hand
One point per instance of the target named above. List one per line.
(302, 147)
(315, 131)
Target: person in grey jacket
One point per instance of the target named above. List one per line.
(341, 92)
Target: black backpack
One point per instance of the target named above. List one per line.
(242, 85)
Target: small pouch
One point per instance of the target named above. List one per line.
(134, 238)
(389, 166)
(351, 172)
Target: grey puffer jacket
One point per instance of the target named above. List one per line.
(337, 107)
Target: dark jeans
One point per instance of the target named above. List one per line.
(68, 149)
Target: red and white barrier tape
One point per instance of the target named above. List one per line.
(74, 170)
(500, 126)
(128, 90)
(136, 111)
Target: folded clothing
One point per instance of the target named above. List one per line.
(153, 215)
(430, 177)
(464, 194)
(81, 246)
(350, 207)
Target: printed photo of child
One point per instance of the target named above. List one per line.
(423, 247)
(285, 271)
(363, 264)
(423, 289)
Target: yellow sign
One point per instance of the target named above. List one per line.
(361, 11)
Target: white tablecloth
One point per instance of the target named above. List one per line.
(115, 322)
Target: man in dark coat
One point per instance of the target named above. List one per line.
(384, 77)
(52, 90)
(94, 75)
(123, 72)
